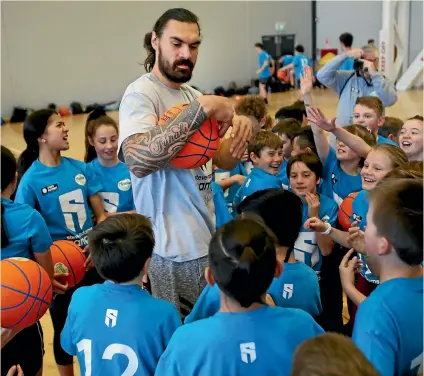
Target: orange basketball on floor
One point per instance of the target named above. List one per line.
(26, 292)
(200, 147)
(345, 211)
(68, 258)
(282, 75)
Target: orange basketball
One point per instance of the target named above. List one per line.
(26, 292)
(282, 75)
(68, 258)
(345, 211)
(200, 147)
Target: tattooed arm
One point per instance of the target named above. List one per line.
(145, 153)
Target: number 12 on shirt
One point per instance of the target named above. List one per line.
(85, 346)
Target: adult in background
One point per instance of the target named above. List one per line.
(178, 201)
(346, 41)
(266, 63)
(350, 85)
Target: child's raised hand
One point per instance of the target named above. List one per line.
(348, 268)
(316, 117)
(313, 204)
(306, 80)
(315, 224)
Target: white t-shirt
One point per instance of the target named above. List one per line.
(179, 202)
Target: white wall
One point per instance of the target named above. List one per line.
(364, 21)
(89, 51)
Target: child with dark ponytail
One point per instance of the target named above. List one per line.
(101, 145)
(24, 233)
(246, 336)
(64, 192)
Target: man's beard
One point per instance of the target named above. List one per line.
(173, 73)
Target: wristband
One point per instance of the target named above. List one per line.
(328, 230)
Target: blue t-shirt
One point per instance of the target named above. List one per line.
(258, 342)
(347, 65)
(118, 329)
(263, 56)
(297, 287)
(360, 207)
(389, 327)
(257, 180)
(26, 230)
(61, 196)
(222, 214)
(282, 175)
(222, 174)
(287, 59)
(306, 248)
(116, 191)
(384, 140)
(299, 62)
(337, 183)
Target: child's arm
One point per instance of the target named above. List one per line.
(347, 270)
(321, 140)
(97, 206)
(340, 237)
(228, 182)
(287, 67)
(356, 143)
(45, 261)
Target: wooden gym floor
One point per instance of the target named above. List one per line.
(409, 103)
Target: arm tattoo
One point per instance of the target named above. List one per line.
(148, 152)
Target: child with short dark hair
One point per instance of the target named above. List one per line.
(245, 336)
(389, 323)
(331, 354)
(304, 172)
(303, 142)
(266, 155)
(118, 317)
(297, 287)
(286, 130)
(391, 128)
(296, 110)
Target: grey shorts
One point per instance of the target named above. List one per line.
(180, 283)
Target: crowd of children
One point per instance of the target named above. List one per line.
(271, 289)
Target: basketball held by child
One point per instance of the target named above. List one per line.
(26, 293)
(68, 258)
(201, 147)
(346, 211)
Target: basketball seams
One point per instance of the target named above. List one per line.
(76, 247)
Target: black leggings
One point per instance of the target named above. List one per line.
(25, 349)
(59, 313)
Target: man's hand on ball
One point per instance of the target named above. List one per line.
(241, 133)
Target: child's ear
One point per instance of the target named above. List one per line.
(308, 150)
(318, 181)
(253, 157)
(381, 121)
(90, 140)
(209, 277)
(278, 269)
(146, 266)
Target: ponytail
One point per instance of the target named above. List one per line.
(151, 57)
(26, 159)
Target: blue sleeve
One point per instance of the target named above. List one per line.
(173, 323)
(239, 196)
(296, 60)
(94, 184)
(330, 161)
(25, 195)
(206, 306)
(333, 212)
(385, 89)
(39, 234)
(375, 337)
(66, 336)
(329, 76)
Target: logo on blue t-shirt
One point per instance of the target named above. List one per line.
(80, 179)
(287, 290)
(111, 317)
(50, 188)
(334, 178)
(248, 350)
(124, 185)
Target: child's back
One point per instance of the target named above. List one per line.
(297, 287)
(389, 326)
(114, 328)
(258, 342)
